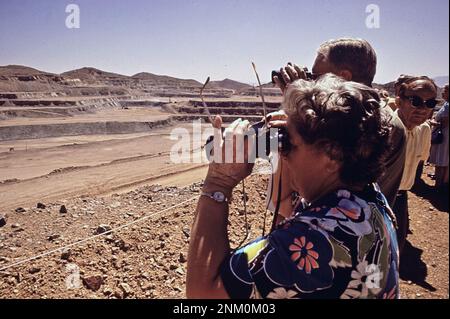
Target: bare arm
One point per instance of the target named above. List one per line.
(208, 247)
(209, 244)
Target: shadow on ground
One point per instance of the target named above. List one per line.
(437, 197)
(412, 268)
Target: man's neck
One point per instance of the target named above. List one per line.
(404, 121)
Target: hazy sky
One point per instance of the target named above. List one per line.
(200, 38)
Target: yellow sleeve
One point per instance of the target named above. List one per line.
(426, 141)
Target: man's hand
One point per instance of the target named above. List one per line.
(289, 73)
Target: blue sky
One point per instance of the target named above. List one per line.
(200, 38)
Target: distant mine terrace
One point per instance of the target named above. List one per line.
(86, 102)
(31, 118)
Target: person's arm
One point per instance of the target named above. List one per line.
(426, 143)
(209, 244)
(208, 247)
(442, 116)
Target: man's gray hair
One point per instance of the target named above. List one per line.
(355, 55)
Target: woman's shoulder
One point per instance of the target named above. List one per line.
(341, 210)
(326, 250)
(424, 128)
(344, 232)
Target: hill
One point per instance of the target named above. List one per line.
(230, 84)
(20, 70)
(90, 74)
(164, 79)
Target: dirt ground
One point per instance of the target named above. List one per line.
(102, 115)
(145, 255)
(53, 168)
(60, 194)
(424, 263)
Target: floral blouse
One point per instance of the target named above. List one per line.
(341, 247)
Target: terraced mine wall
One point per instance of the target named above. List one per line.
(225, 111)
(225, 118)
(69, 129)
(56, 102)
(229, 110)
(35, 108)
(256, 92)
(187, 94)
(235, 104)
(47, 112)
(146, 103)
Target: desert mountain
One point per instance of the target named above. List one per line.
(89, 74)
(14, 78)
(92, 81)
(230, 84)
(164, 79)
(20, 70)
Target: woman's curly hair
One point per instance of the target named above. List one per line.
(342, 119)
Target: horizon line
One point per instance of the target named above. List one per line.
(193, 79)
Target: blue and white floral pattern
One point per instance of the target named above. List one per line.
(341, 247)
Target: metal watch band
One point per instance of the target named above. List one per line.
(217, 196)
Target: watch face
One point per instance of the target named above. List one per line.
(219, 196)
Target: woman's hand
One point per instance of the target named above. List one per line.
(227, 170)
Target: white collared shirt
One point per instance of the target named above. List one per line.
(417, 149)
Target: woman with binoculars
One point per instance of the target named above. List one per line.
(340, 241)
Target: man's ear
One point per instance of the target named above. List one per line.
(346, 75)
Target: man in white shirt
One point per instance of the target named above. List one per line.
(416, 100)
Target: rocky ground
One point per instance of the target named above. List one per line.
(145, 259)
(424, 264)
(145, 254)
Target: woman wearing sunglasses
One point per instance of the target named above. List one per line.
(416, 99)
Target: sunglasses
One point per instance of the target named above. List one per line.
(417, 101)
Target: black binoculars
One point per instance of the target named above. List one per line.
(309, 76)
(273, 139)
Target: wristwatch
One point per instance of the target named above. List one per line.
(217, 196)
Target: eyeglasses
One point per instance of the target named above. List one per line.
(417, 101)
